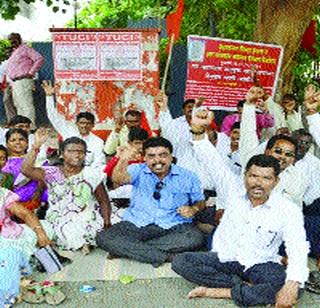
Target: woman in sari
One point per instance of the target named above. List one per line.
(31, 193)
(78, 204)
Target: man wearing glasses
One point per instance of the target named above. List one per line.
(292, 181)
(165, 198)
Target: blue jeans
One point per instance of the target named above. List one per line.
(204, 268)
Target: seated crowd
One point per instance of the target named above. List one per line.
(236, 210)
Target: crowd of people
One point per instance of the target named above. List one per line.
(235, 209)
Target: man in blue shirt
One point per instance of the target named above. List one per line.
(165, 198)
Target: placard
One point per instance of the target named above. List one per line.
(220, 70)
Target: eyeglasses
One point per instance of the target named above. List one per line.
(287, 154)
(157, 194)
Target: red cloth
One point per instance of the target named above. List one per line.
(309, 38)
(4, 83)
(174, 21)
(113, 162)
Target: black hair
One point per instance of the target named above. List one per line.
(188, 101)
(19, 131)
(275, 138)
(137, 133)
(72, 140)
(157, 142)
(264, 161)
(289, 97)
(133, 113)
(236, 125)
(87, 115)
(241, 103)
(5, 150)
(19, 119)
(301, 132)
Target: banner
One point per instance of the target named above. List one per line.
(105, 73)
(98, 56)
(220, 70)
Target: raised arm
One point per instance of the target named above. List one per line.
(120, 175)
(165, 118)
(248, 128)
(312, 103)
(60, 124)
(222, 177)
(28, 168)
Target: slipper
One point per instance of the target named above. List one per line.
(31, 292)
(31, 297)
(56, 298)
(53, 295)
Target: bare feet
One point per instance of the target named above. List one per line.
(85, 250)
(197, 292)
(210, 292)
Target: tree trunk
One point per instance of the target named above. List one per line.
(283, 22)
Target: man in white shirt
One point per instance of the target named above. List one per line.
(293, 182)
(244, 263)
(82, 129)
(119, 135)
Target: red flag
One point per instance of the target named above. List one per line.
(309, 38)
(174, 21)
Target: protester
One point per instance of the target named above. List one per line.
(78, 203)
(244, 263)
(164, 200)
(292, 181)
(31, 193)
(24, 237)
(287, 113)
(119, 135)
(264, 120)
(23, 63)
(82, 129)
(6, 88)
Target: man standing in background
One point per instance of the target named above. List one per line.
(22, 66)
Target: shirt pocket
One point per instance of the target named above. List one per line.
(265, 236)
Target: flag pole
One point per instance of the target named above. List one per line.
(166, 70)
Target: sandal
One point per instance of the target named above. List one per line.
(52, 294)
(31, 292)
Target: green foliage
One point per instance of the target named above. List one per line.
(4, 49)
(233, 19)
(10, 8)
(116, 14)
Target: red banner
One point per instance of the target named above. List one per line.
(220, 70)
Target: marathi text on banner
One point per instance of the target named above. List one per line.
(220, 70)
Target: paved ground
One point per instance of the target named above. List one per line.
(155, 293)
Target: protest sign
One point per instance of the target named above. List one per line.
(104, 71)
(220, 70)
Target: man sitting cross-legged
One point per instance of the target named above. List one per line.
(165, 197)
(244, 263)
